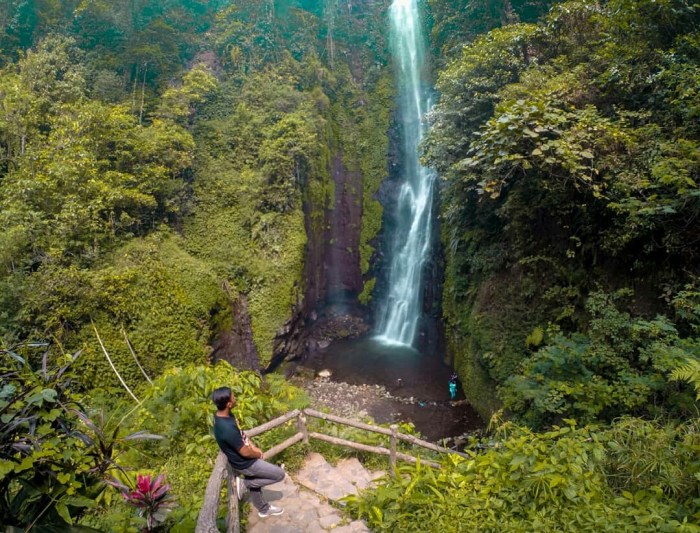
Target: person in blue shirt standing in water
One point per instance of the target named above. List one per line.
(453, 386)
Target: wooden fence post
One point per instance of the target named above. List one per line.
(301, 426)
(233, 521)
(206, 522)
(392, 448)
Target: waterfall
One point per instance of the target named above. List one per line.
(400, 313)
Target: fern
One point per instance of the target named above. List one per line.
(690, 372)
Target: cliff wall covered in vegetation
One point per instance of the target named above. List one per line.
(569, 155)
(161, 164)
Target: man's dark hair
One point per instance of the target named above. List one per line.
(221, 397)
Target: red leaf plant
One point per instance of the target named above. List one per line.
(150, 497)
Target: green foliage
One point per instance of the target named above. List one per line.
(366, 294)
(474, 376)
(646, 455)
(33, 91)
(108, 179)
(565, 479)
(150, 289)
(179, 102)
(621, 367)
(145, 41)
(53, 457)
(487, 325)
(469, 88)
(178, 406)
(567, 155)
(259, 149)
(688, 371)
(535, 338)
(80, 178)
(458, 22)
(45, 472)
(286, 155)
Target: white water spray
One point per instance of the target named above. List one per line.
(401, 311)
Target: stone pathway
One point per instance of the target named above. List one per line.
(306, 495)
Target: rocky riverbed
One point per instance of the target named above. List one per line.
(435, 420)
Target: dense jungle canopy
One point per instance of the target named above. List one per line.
(175, 176)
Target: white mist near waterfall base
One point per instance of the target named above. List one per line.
(400, 312)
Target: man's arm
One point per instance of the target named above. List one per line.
(251, 451)
(243, 446)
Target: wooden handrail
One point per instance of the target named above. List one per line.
(267, 426)
(206, 522)
(382, 431)
(372, 449)
(347, 422)
(284, 445)
(233, 520)
(349, 443)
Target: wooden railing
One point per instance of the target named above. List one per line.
(206, 522)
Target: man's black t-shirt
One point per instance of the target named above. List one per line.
(230, 440)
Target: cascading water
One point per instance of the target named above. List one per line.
(400, 312)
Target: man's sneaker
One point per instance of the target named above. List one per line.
(271, 511)
(240, 487)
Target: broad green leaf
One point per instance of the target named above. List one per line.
(63, 512)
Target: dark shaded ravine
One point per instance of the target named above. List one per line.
(413, 386)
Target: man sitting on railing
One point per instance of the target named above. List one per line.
(244, 456)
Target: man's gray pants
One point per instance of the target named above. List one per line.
(257, 475)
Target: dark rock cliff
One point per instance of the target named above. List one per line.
(235, 343)
(332, 270)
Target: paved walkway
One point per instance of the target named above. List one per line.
(306, 496)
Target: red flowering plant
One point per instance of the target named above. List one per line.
(151, 498)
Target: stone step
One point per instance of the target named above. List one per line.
(353, 471)
(304, 512)
(319, 476)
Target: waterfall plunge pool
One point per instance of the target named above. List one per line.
(417, 384)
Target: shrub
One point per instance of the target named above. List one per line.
(558, 480)
(151, 497)
(53, 457)
(619, 367)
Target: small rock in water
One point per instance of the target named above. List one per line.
(325, 373)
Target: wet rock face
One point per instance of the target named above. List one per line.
(290, 341)
(235, 344)
(333, 260)
(332, 271)
(333, 328)
(310, 334)
(342, 264)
